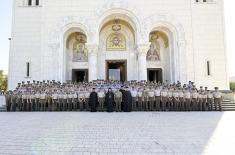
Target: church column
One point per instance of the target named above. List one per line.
(182, 61)
(142, 62)
(92, 62)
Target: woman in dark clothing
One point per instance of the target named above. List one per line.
(93, 100)
(109, 100)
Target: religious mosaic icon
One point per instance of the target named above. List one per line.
(116, 41)
(79, 49)
(154, 50)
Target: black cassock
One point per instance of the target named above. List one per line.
(93, 101)
(109, 101)
(127, 101)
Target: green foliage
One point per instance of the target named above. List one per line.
(232, 86)
(226, 91)
(3, 81)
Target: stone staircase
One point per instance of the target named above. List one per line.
(228, 106)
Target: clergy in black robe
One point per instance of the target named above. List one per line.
(127, 101)
(109, 100)
(93, 100)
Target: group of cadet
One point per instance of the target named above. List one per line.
(112, 96)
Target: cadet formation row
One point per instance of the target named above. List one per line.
(111, 96)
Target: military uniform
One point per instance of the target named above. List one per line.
(134, 98)
(140, 99)
(75, 102)
(210, 100)
(32, 102)
(24, 102)
(55, 102)
(118, 100)
(37, 101)
(164, 98)
(43, 101)
(181, 100)
(70, 101)
(217, 99)
(87, 95)
(151, 97)
(176, 100)
(81, 100)
(146, 100)
(187, 98)
(65, 101)
(194, 100)
(101, 96)
(170, 100)
(157, 94)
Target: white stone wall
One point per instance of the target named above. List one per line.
(197, 30)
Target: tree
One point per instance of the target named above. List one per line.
(232, 86)
(3, 81)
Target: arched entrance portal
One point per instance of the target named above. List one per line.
(116, 50)
(162, 56)
(76, 57)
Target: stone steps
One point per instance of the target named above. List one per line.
(228, 106)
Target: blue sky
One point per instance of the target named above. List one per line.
(5, 33)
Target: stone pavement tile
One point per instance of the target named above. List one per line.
(117, 133)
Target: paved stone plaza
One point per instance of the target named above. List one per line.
(117, 133)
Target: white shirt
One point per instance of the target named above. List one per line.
(133, 93)
(157, 92)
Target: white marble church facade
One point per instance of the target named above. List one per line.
(153, 40)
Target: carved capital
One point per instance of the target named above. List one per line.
(143, 49)
(181, 43)
(92, 49)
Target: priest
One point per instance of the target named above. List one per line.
(93, 100)
(109, 100)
